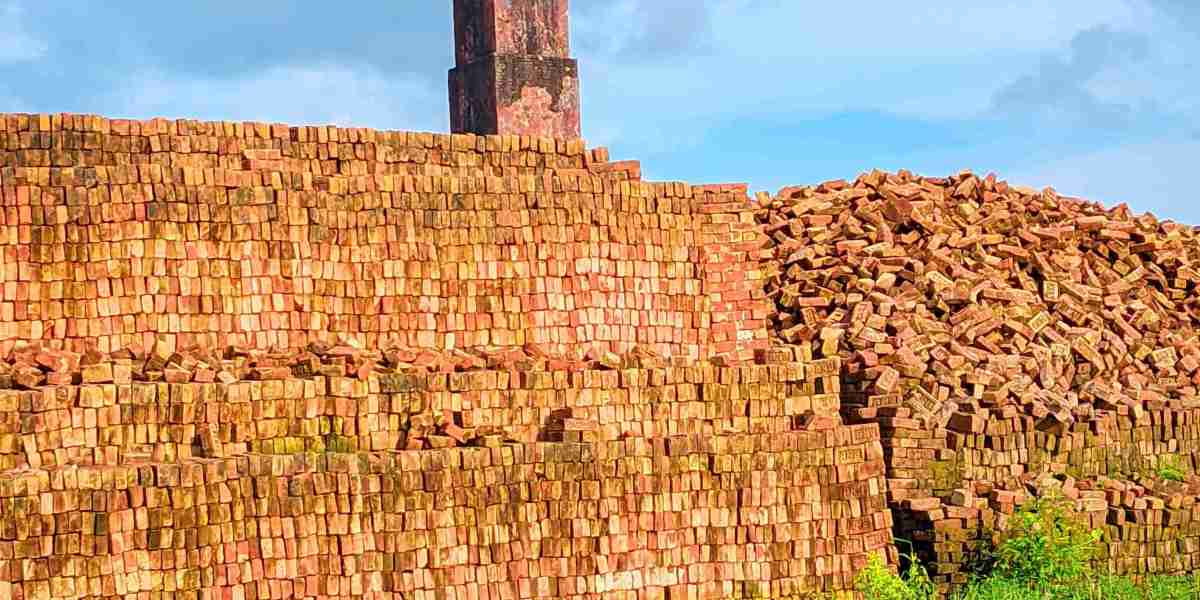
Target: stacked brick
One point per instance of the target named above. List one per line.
(241, 360)
(696, 516)
(998, 447)
(732, 249)
(930, 471)
(215, 234)
(1148, 527)
(332, 405)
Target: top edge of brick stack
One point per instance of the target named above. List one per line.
(596, 159)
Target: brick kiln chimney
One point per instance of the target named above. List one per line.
(513, 73)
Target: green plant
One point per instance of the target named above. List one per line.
(1045, 546)
(996, 588)
(1098, 588)
(1170, 468)
(1065, 578)
(879, 582)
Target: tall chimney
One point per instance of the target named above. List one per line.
(513, 73)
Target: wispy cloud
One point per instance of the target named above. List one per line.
(729, 60)
(333, 94)
(17, 44)
(1185, 12)
(1074, 93)
(646, 31)
(1059, 90)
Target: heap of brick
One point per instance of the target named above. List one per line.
(995, 334)
(29, 366)
(328, 405)
(681, 517)
(936, 291)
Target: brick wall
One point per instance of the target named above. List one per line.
(146, 463)
(218, 233)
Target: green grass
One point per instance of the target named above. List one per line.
(1101, 588)
(878, 582)
(1044, 555)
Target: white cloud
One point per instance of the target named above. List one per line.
(786, 29)
(1062, 89)
(893, 31)
(747, 58)
(17, 45)
(329, 94)
(1185, 13)
(643, 30)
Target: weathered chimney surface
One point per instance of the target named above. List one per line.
(513, 73)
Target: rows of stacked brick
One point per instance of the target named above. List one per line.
(321, 404)
(1148, 527)
(996, 334)
(216, 233)
(927, 486)
(680, 516)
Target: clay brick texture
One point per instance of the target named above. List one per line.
(679, 517)
(513, 73)
(692, 482)
(110, 423)
(215, 233)
(1011, 344)
(251, 361)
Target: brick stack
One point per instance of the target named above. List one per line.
(241, 360)
(930, 470)
(1148, 527)
(732, 248)
(687, 516)
(329, 403)
(213, 233)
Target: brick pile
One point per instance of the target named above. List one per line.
(241, 360)
(29, 366)
(938, 290)
(114, 232)
(930, 470)
(995, 333)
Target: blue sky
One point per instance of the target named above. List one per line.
(1097, 98)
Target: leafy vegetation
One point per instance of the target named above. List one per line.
(1044, 555)
(1171, 468)
(878, 582)
(1044, 547)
